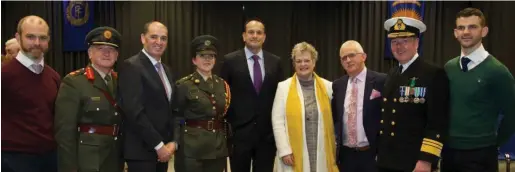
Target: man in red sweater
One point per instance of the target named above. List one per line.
(29, 89)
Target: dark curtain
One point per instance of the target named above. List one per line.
(326, 25)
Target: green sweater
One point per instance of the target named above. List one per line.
(478, 97)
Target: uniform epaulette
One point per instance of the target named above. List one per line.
(77, 72)
(182, 80)
(218, 77)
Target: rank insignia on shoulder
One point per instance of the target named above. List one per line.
(197, 81)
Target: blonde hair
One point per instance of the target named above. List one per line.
(11, 41)
(304, 46)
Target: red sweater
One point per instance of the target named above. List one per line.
(28, 108)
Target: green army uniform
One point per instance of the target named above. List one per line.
(87, 119)
(201, 105)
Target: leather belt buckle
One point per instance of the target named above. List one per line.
(210, 125)
(115, 130)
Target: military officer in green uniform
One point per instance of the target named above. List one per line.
(202, 101)
(87, 118)
(415, 104)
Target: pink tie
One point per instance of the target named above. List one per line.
(159, 71)
(352, 113)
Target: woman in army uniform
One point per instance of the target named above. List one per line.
(201, 102)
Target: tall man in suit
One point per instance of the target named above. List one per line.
(356, 110)
(253, 75)
(146, 89)
(415, 115)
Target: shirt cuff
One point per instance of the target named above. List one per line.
(159, 146)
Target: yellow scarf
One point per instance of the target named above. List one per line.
(295, 128)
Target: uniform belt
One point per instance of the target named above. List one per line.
(210, 125)
(359, 149)
(99, 129)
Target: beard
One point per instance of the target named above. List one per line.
(33, 52)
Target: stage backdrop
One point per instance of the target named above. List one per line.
(326, 25)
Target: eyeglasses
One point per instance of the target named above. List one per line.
(207, 56)
(349, 56)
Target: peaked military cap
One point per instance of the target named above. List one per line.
(104, 36)
(204, 43)
(404, 24)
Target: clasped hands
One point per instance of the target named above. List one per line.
(165, 152)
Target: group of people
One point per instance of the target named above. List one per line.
(96, 119)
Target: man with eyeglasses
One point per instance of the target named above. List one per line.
(415, 115)
(356, 110)
(29, 89)
(87, 118)
(201, 102)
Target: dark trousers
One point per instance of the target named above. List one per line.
(352, 160)
(145, 165)
(24, 162)
(480, 160)
(389, 170)
(205, 165)
(248, 148)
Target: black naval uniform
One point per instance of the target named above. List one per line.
(415, 117)
(201, 104)
(87, 119)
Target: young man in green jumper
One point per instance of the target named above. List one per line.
(481, 88)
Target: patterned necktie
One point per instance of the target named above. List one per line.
(37, 67)
(464, 62)
(352, 113)
(159, 68)
(258, 79)
(109, 83)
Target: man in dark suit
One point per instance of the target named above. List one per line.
(253, 75)
(356, 110)
(146, 88)
(415, 114)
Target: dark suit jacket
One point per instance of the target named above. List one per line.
(413, 131)
(247, 106)
(148, 113)
(371, 108)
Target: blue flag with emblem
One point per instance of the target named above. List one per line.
(411, 8)
(78, 21)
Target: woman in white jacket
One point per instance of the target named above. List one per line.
(302, 119)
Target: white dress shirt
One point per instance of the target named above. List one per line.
(362, 137)
(476, 57)
(27, 62)
(405, 66)
(250, 62)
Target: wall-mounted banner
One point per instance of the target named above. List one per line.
(78, 21)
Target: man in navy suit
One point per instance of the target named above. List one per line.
(356, 110)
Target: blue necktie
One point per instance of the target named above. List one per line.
(464, 62)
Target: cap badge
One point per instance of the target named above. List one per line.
(399, 25)
(107, 34)
(207, 42)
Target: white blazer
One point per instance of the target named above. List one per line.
(280, 127)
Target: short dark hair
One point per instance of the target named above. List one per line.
(467, 12)
(253, 19)
(147, 25)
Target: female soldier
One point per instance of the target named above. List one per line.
(201, 103)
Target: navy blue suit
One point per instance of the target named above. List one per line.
(351, 159)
